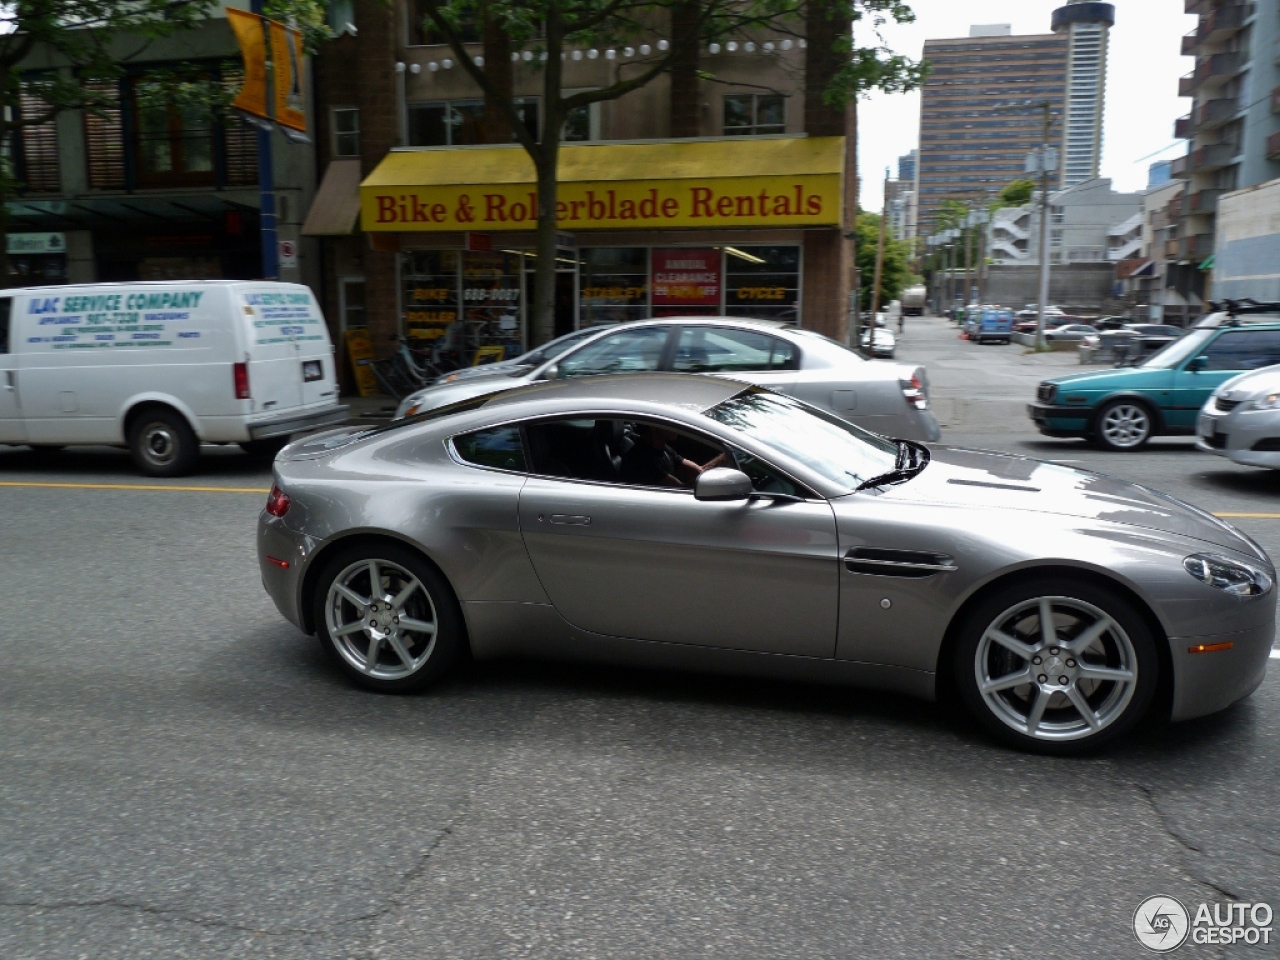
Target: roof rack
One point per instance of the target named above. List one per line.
(1245, 306)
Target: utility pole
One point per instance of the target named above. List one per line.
(968, 250)
(1047, 161)
(884, 226)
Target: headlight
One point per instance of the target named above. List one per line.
(1236, 578)
(1270, 402)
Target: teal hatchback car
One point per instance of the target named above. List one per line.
(1123, 408)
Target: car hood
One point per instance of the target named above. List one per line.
(1133, 378)
(998, 481)
(1246, 385)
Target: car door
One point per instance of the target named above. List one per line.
(12, 429)
(1229, 353)
(654, 563)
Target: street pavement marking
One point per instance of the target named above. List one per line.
(1249, 516)
(257, 491)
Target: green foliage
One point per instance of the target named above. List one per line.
(895, 275)
(1016, 194)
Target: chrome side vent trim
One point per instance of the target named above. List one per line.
(879, 562)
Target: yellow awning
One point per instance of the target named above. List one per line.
(741, 182)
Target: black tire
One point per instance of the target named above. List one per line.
(264, 449)
(431, 655)
(162, 443)
(1061, 728)
(1124, 425)
(46, 449)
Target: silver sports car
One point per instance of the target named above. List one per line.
(889, 398)
(697, 522)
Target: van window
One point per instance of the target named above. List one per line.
(6, 307)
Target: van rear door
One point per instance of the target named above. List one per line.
(315, 351)
(272, 314)
(12, 429)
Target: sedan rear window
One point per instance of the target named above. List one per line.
(842, 453)
(498, 447)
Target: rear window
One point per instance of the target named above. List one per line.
(497, 447)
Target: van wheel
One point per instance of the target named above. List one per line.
(45, 449)
(162, 443)
(265, 449)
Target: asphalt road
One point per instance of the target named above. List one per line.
(183, 775)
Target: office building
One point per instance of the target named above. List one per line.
(1087, 26)
(980, 117)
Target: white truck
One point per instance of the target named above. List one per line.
(913, 301)
(164, 367)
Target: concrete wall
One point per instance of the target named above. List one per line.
(1076, 286)
(1247, 259)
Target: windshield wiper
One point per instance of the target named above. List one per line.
(912, 458)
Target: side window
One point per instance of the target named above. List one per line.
(764, 478)
(1243, 350)
(627, 351)
(498, 447)
(6, 307)
(613, 450)
(720, 350)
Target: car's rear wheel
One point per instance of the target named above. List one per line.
(387, 618)
(1056, 667)
(1124, 425)
(162, 443)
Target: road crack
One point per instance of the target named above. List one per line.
(166, 913)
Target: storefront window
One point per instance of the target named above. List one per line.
(614, 285)
(762, 282)
(686, 281)
(490, 308)
(430, 280)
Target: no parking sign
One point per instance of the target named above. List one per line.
(288, 253)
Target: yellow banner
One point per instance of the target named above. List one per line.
(286, 57)
(247, 27)
(762, 201)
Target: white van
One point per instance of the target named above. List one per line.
(164, 367)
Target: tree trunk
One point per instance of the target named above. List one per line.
(825, 20)
(546, 163)
(495, 128)
(686, 102)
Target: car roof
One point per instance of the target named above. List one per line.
(1222, 319)
(690, 391)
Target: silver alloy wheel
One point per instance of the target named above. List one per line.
(159, 444)
(1056, 668)
(381, 619)
(1126, 425)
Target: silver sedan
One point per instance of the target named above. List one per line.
(889, 398)
(695, 522)
(1241, 420)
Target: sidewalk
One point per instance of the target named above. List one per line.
(375, 409)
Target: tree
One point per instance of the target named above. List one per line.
(895, 272)
(1015, 194)
(547, 28)
(92, 41)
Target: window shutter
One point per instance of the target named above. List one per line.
(40, 172)
(240, 139)
(104, 139)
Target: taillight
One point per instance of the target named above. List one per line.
(277, 502)
(240, 376)
(915, 393)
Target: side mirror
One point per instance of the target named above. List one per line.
(721, 483)
(1198, 364)
(552, 372)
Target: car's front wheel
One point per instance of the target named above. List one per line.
(1124, 425)
(1056, 666)
(387, 618)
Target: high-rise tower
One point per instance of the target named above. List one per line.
(1087, 26)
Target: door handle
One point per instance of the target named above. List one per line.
(570, 520)
(8, 379)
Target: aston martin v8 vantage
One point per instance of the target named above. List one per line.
(702, 523)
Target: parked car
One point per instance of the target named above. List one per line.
(526, 361)
(163, 367)
(1129, 343)
(888, 398)
(1241, 420)
(1070, 332)
(1121, 409)
(879, 342)
(698, 522)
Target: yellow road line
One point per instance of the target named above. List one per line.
(1249, 516)
(257, 491)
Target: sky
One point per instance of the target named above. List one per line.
(1143, 68)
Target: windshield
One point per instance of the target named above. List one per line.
(835, 343)
(846, 455)
(1177, 351)
(550, 351)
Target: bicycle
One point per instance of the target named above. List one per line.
(391, 379)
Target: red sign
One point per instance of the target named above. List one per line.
(686, 278)
(482, 242)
